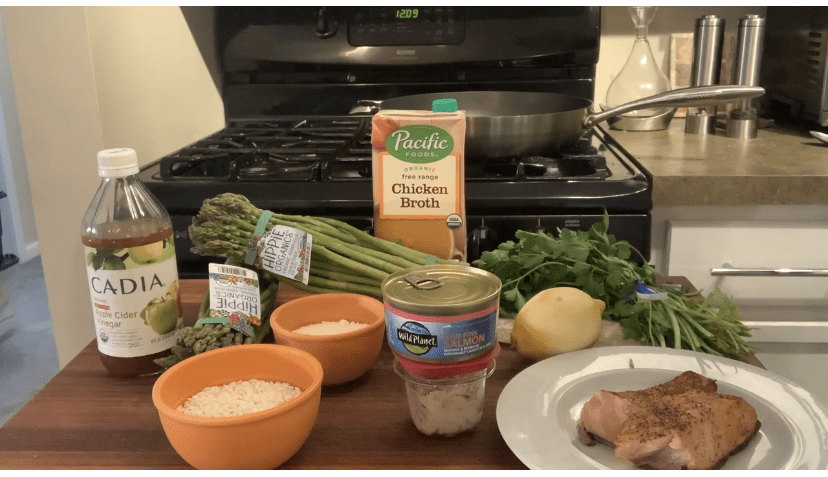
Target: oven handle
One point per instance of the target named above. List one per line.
(366, 106)
(730, 271)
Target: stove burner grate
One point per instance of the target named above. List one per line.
(540, 168)
(261, 166)
(339, 149)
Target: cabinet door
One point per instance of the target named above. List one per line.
(788, 308)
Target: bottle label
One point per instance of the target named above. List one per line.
(135, 299)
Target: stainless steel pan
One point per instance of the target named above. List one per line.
(512, 123)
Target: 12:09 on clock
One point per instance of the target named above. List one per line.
(407, 13)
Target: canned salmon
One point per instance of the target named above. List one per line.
(441, 313)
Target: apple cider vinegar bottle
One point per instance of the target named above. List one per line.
(131, 268)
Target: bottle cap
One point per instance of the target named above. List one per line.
(446, 105)
(120, 162)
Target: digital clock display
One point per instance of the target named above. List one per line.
(409, 26)
(407, 13)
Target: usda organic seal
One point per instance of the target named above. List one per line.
(441, 313)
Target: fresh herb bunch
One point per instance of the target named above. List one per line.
(601, 266)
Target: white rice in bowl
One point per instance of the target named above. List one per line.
(330, 328)
(238, 398)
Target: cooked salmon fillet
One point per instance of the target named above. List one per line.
(681, 424)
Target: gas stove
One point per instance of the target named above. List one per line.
(320, 152)
(291, 144)
(322, 166)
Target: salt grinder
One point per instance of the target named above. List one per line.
(743, 118)
(708, 40)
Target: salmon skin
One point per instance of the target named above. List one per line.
(681, 424)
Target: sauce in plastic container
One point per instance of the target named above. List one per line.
(446, 399)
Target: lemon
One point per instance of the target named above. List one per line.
(557, 320)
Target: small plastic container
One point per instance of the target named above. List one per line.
(446, 405)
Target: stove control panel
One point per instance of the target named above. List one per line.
(387, 26)
(252, 40)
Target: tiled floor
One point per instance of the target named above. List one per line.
(28, 357)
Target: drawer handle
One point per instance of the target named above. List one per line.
(767, 272)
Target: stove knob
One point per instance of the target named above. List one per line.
(325, 27)
(482, 239)
(539, 229)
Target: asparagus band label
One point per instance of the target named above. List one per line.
(234, 298)
(286, 251)
(643, 292)
(253, 246)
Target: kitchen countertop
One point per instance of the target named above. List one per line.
(83, 418)
(779, 167)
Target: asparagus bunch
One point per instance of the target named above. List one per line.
(343, 258)
(192, 340)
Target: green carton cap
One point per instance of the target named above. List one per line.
(446, 105)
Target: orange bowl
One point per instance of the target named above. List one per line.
(344, 356)
(260, 440)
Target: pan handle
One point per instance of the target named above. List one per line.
(366, 106)
(678, 98)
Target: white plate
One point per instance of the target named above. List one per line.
(538, 409)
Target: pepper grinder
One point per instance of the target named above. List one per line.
(743, 118)
(708, 40)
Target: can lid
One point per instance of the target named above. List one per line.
(441, 289)
(445, 105)
(710, 21)
(120, 162)
(447, 370)
(752, 21)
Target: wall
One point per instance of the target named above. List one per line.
(155, 92)
(86, 79)
(618, 34)
(60, 127)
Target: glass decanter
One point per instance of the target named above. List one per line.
(640, 77)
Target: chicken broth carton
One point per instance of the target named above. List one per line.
(419, 179)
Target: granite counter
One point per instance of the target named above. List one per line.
(779, 167)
